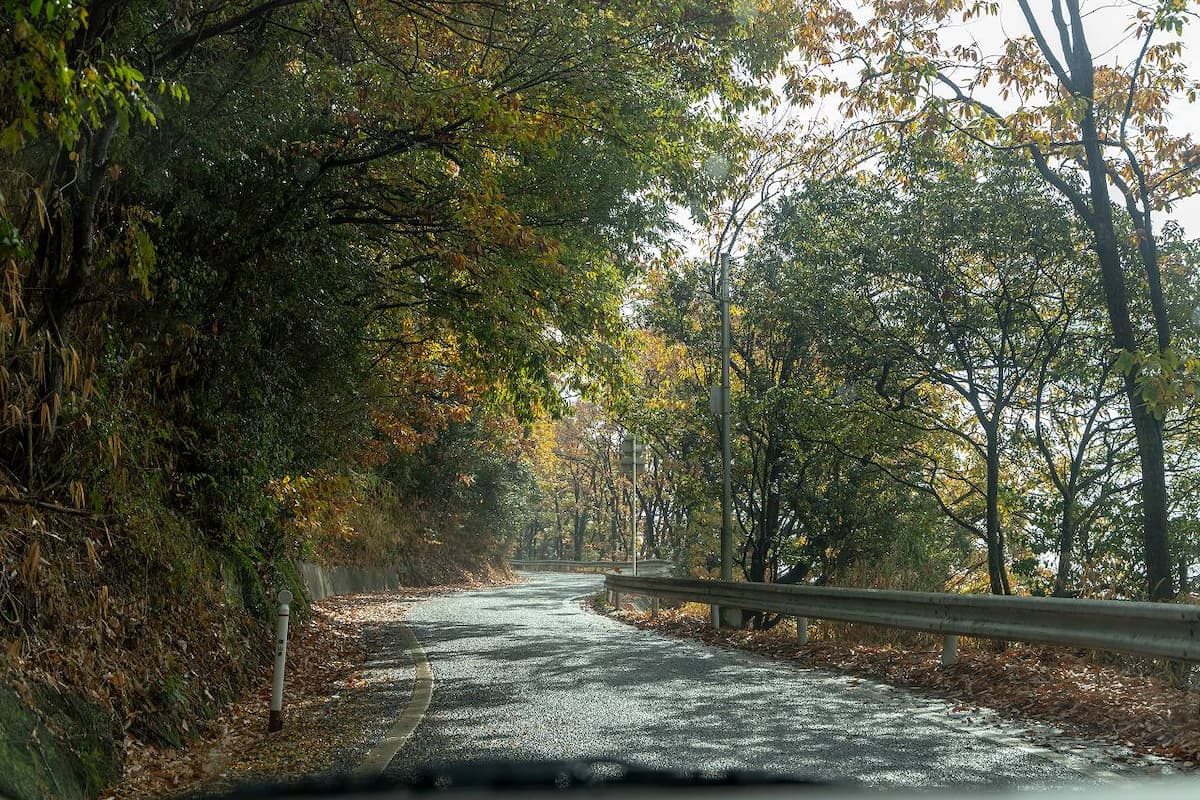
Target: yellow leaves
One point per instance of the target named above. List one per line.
(13, 288)
(32, 563)
(981, 8)
(315, 504)
(115, 447)
(422, 389)
(71, 365)
(78, 500)
(13, 415)
(1165, 379)
(45, 417)
(93, 554)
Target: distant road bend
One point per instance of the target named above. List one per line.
(524, 672)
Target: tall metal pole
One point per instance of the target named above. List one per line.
(633, 503)
(726, 452)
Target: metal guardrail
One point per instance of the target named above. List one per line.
(651, 566)
(1145, 629)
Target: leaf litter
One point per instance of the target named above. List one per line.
(328, 716)
(1111, 699)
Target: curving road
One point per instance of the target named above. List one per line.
(523, 672)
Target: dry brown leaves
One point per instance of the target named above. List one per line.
(323, 653)
(322, 712)
(1070, 690)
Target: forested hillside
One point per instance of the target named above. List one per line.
(923, 398)
(285, 280)
(964, 320)
(385, 283)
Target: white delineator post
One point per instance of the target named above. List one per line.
(275, 722)
(949, 650)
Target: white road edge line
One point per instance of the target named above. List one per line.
(381, 755)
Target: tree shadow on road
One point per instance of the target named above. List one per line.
(556, 682)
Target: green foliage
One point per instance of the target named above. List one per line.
(52, 87)
(924, 395)
(451, 509)
(276, 280)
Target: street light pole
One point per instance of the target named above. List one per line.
(631, 455)
(633, 505)
(726, 452)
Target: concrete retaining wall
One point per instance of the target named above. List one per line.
(321, 582)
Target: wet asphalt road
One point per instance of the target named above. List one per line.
(523, 672)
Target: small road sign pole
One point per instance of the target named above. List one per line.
(632, 457)
(275, 722)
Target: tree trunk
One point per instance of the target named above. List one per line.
(1154, 494)
(558, 532)
(581, 521)
(1112, 277)
(1147, 430)
(768, 521)
(649, 539)
(1096, 211)
(614, 536)
(1066, 544)
(997, 574)
(530, 535)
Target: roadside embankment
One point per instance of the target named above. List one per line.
(125, 663)
(348, 676)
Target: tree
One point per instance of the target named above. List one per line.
(274, 266)
(1082, 438)
(953, 297)
(808, 506)
(1091, 130)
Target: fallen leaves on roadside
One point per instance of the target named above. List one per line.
(322, 714)
(1070, 690)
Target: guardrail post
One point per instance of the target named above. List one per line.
(275, 720)
(949, 650)
(802, 630)
(616, 600)
(716, 617)
(654, 606)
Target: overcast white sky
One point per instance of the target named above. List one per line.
(1111, 41)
